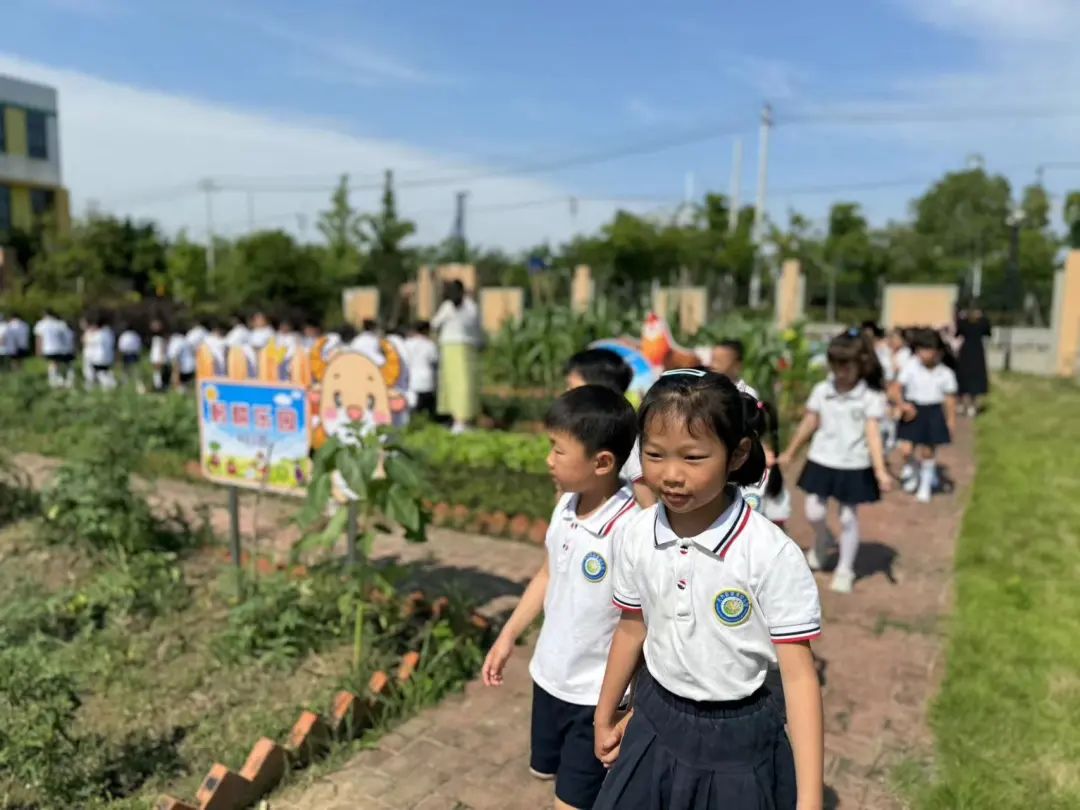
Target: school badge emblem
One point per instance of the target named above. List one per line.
(732, 607)
(594, 567)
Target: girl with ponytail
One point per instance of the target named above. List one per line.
(713, 595)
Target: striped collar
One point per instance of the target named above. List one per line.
(602, 521)
(715, 540)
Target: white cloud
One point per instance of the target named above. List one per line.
(337, 60)
(1016, 20)
(140, 152)
(642, 111)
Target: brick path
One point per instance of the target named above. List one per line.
(880, 658)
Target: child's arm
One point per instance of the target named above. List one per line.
(950, 412)
(623, 661)
(877, 454)
(802, 435)
(528, 608)
(802, 694)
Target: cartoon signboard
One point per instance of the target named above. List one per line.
(650, 356)
(255, 435)
(644, 373)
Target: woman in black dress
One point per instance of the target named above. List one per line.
(971, 327)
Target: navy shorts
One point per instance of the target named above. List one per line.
(562, 744)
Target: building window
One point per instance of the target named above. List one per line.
(37, 138)
(5, 209)
(41, 201)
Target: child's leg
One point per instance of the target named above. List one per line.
(909, 474)
(849, 537)
(927, 473)
(816, 513)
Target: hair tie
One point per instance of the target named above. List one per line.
(760, 405)
(692, 372)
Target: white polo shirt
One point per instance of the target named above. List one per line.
(715, 604)
(840, 440)
(631, 471)
(579, 617)
(51, 331)
(926, 386)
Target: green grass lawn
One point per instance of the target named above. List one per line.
(1007, 720)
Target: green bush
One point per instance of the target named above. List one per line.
(435, 447)
(492, 490)
(17, 497)
(90, 501)
(508, 410)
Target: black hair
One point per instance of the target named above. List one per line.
(369, 325)
(735, 345)
(422, 327)
(455, 292)
(347, 333)
(872, 328)
(927, 339)
(601, 367)
(598, 417)
(771, 432)
(708, 401)
(855, 346)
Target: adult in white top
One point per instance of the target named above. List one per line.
(457, 322)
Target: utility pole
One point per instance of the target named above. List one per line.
(207, 186)
(759, 206)
(458, 234)
(1012, 278)
(736, 185)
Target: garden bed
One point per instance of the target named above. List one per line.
(132, 658)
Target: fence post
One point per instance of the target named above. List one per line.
(234, 525)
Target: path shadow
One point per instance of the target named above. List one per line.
(481, 587)
(831, 799)
(875, 558)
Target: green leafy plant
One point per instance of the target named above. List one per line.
(519, 452)
(383, 479)
(17, 497)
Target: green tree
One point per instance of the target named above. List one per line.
(185, 277)
(341, 227)
(1072, 218)
(389, 263)
(269, 269)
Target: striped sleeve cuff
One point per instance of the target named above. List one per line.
(623, 603)
(794, 632)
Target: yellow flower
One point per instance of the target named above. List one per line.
(790, 335)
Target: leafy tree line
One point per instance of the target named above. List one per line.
(960, 222)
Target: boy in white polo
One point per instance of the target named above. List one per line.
(713, 594)
(592, 430)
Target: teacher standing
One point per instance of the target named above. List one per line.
(972, 326)
(457, 322)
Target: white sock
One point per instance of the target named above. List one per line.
(908, 471)
(816, 513)
(849, 538)
(926, 480)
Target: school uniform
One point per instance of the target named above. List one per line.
(706, 733)
(568, 665)
(181, 357)
(838, 464)
(130, 346)
(20, 331)
(926, 388)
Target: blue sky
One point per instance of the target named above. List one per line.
(156, 95)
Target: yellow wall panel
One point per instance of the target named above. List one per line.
(15, 130)
(22, 216)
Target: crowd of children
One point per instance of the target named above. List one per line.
(673, 668)
(108, 352)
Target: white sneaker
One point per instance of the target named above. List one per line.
(812, 560)
(924, 496)
(911, 483)
(543, 777)
(842, 581)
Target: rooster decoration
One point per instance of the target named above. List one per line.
(660, 348)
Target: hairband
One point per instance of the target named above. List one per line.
(691, 372)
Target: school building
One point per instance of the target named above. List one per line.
(31, 188)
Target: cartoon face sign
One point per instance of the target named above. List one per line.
(353, 390)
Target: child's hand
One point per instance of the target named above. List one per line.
(884, 480)
(784, 459)
(609, 740)
(907, 411)
(770, 457)
(498, 655)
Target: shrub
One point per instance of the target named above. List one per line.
(17, 497)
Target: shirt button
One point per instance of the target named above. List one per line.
(681, 584)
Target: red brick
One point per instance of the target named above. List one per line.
(265, 766)
(409, 662)
(310, 736)
(223, 789)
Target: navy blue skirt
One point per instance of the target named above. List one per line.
(846, 486)
(679, 754)
(928, 428)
